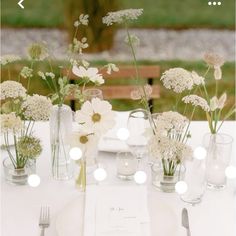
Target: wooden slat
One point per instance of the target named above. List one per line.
(145, 72)
(122, 91)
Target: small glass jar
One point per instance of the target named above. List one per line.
(18, 176)
(89, 94)
(127, 165)
(166, 183)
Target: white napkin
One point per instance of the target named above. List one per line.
(109, 142)
(116, 211)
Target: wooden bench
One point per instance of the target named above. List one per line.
(147, 72)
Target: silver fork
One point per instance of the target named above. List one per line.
(44, 219)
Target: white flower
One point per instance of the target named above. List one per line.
(85, 139)
(216, 103)
(37, 51)
(42, 75)
(26, 72)
(78, 46)
(97, 115)
(12, 89)
(111, 67)
(213, 59)
(90, 74)
(121, 16)
(162, 147)
(217, 73)
(133, 40)
(197, 80)
(37, 108)
(177, 79)
(170, 121)
(50, 74)
(76, 23)
(196, 101)
(139, 94)
(10, 123)
(9, 59)
(84, 19)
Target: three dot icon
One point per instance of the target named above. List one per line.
(214, 3)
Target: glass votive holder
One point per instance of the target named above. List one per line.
(127, 165)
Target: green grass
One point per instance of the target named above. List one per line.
(157, 13)
(167, 100)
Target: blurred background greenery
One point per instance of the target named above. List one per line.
(184, 14)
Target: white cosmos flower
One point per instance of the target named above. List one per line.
(86, 140)
(97, 115)
(90, 74)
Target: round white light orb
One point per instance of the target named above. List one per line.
(122, 134)
(100, 174)
(140, 177)
(181, 187)
(200, 153)
(34, 180)
(230, 172)
(75, 153)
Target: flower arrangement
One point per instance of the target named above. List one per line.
(170, 130)
(214, 105)
(19, 111)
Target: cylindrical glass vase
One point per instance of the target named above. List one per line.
(60, 132)
(219, 147)
(166, 183)
(18, 176)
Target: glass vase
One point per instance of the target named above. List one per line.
(18, 176)
(81, 178)
(166, 183)
(60, 132)
(196, 181)
(219, 148)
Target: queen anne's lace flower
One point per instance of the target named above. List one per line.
(196, 101)
(10, 123)
(9, 59)
(162, 147)
(97, 115)
(177, 79)
(213, 59)
(26, 72)
(170, 121)
(197, 80)
(121, 16)
(12, 89)
(37, 108)
(137, 94)
(29, 147)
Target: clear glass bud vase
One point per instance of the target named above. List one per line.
(60, 132)
(219, 147)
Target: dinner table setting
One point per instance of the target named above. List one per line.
(95, 171)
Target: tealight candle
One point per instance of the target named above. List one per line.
(126, 165)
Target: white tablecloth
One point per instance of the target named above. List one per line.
(20, 205)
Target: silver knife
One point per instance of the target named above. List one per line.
(185, 221)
